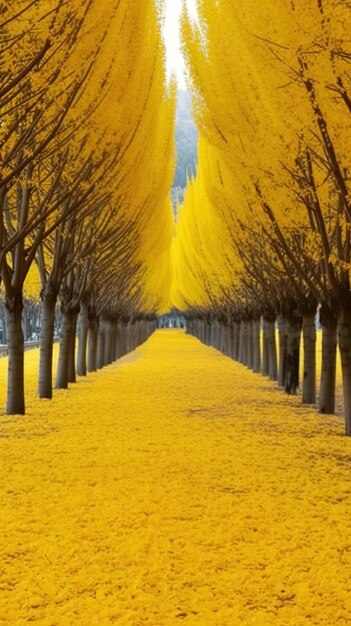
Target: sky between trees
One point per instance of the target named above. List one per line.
(175, 60)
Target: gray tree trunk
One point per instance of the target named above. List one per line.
(217, 335)
(326, 403)
(15, 403)
(242, 343)
(272, 350)
(118, 341)
(100, 345)
(92, 344)
(293, 352)
(208, 333)
(82, 340)
(123, 338)
(113, 341)
(108, 340)
(45, 383)
(283, 348)
(256, 345)
(344, 336)
(72, 351)
(249, 343)
(230, 339)
(65, 350)
(236, 341)
(224, 338)
(212, 334)
(265, 345)
(309, 361)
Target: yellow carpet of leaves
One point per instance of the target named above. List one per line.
(173, 487)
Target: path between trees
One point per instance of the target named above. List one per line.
(179, 488)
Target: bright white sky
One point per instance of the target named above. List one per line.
(175, 61)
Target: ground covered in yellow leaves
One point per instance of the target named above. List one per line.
(174, 487)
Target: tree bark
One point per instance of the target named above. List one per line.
(326, 403)
(208, 333)
(224, 338)
(243, 342)
(293, 358)
(217, 335)
(92, 343)
(344, 336)
(230, 339)
(108, 339)
(265, 348)
(46, 345)
(123, 338)
(272, 350)
(236, 340)
(100, 345)
(249, 344)
(82, 340)
(283, 349)
(65, 351)
(256, 345)
(309, 361)
(15, 403)
(72, 351)
(113, 341)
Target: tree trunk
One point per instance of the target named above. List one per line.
(72, 352)
(113, 341)
(243, 342)
(344, 336)
(236, 341)
(326, 403)
(65, 353)
(208, 333)
(108, 339)
(46, 345)
(249, 345)
(123, 338)
(283, 349)
(217, 335)
(256, 345)
(309, 361)
(265, 348)
(224, 338)
(100, 345)
(293, 358)
(230, 339)
(92, 344)
(82, 340)
(15, 403)
(272, 350)
(118, 341)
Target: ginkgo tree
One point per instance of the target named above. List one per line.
(87, 162)
(272, 100)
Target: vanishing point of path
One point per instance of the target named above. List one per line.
(174, 487)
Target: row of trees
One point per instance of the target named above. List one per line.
(86, 120)
(265, 229)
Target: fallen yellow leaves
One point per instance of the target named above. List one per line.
(176, 487)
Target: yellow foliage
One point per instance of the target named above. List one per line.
(173, 486)
(272, 103)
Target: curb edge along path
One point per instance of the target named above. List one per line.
(179, 487)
